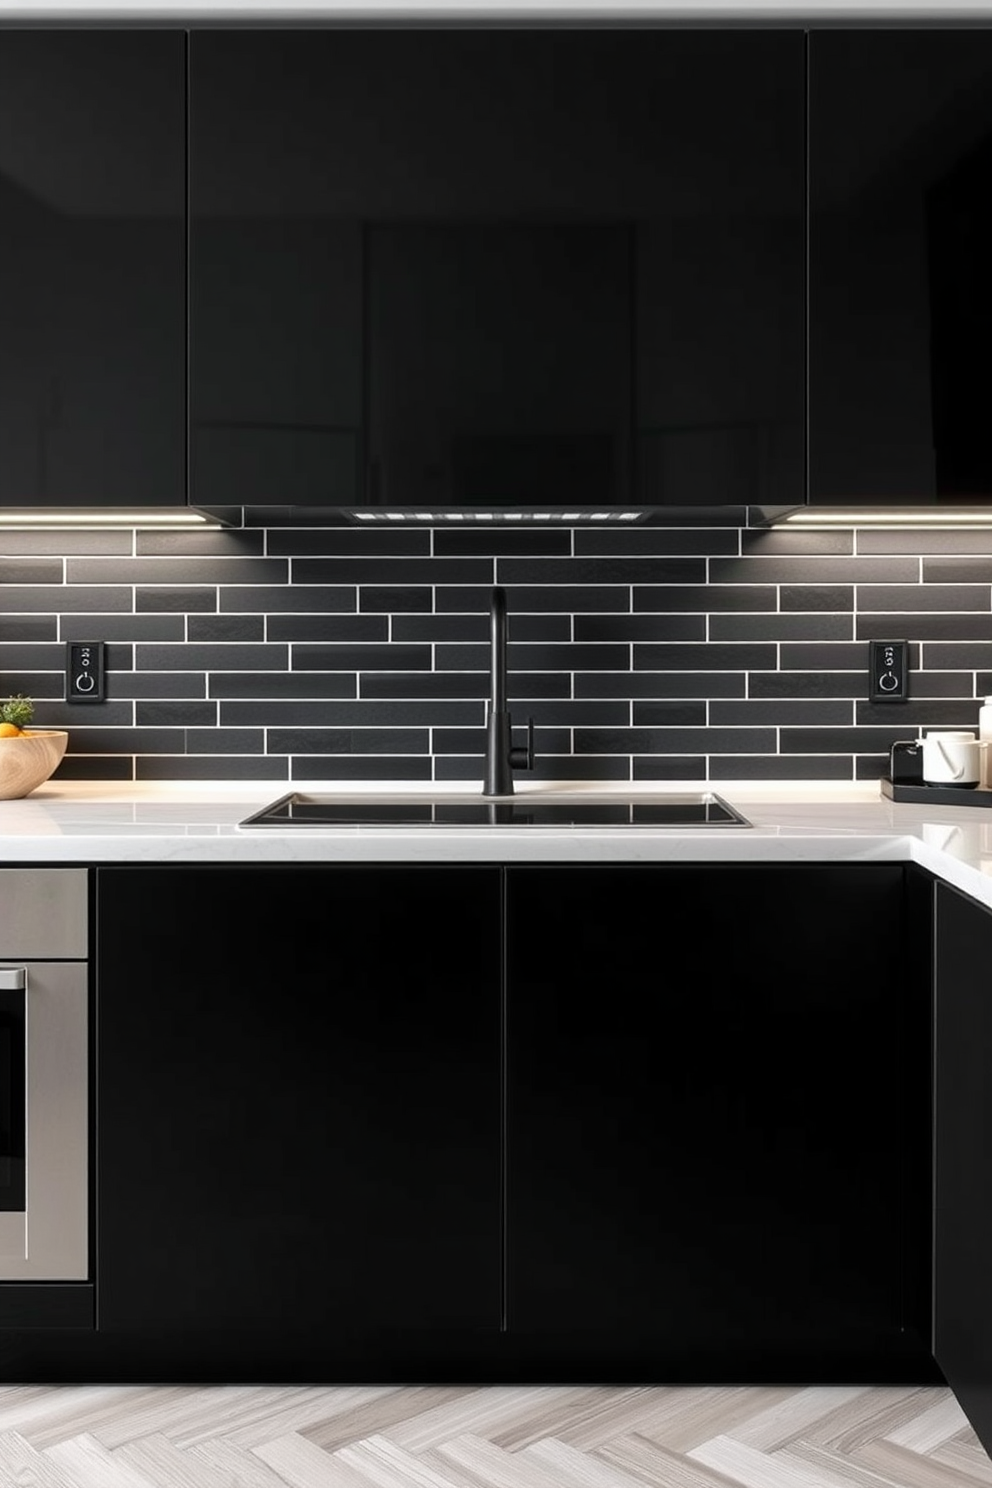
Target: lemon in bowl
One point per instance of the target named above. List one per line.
(27, 756)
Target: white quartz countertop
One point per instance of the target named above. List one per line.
(198, 822)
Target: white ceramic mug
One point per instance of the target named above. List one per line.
(951, 758)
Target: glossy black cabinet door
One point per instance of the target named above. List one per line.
(299, 1118)
(92, 267)
(900, 242)
(475, 267)
(717, 1140)
(962, 1141)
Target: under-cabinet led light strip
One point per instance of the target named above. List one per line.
(70, 517)
(495, 516)
(883, 517)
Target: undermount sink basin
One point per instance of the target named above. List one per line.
(673, 809)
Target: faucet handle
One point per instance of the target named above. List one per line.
(522, 758)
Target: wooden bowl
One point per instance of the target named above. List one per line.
(27, 760)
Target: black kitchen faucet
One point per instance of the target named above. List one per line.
(502, 758)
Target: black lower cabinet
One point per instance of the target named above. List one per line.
(663, 1123)
(299, 1117)
(718, 1102)
(963, 1154)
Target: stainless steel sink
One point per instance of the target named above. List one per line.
(679, 809)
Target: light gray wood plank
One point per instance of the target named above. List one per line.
(301, 1464)
(930, 1428)
(239, 1467)
(908, 1469)
(23, 1464)
(568, 1468)
(386, 1465)
(490, 1466)
(165, 1464)
(786, 1419)
(655, 1464)
(752, 1467)
(386, 1414)
(88, 1464)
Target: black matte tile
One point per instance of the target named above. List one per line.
(97, 767)
(931, 684)
(69, 597)
(225, 741)
(840, 740)
(28, 627)
(119, 658)
(30, 571)
(791, 627)
(212, 570)
(124, 741)
(383, 741)
(225, 657)
(34, 685)
(675, 741)
(403, 571)
(41, 656)
(159, 684)
(123, 628)
(772, 712)
(670, 714)
(601, 570)
(780, 543)
(288, 599)
(462, 684)
(532, 658)
(775, 767)
(175, 713)
(812, 684)
(350, 542)
(308, 713)
(786, 570)
(943, 712)
(704, 598)
(115, 713)
(476, 627)
(62, 544)
(331, 657)
(640, 627)
(569, 713)
(925, 540)
(675, 767)
(228, 628)
(211, 767)
(820, 597)
(327, 628)
(364, 767)
(503, 542)
(680, 684)
(661, 542)
(709, 657)
(967, 627)
(395, 599)
(917, 597)
(947, 655)
(568, 599)
(212, 542)
(961, 570)
(835, 656)
(282, 685)
(183, 600)
(871, 766)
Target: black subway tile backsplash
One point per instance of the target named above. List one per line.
(280, 653)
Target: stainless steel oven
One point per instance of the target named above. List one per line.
(44, 1063)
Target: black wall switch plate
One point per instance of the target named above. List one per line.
(888, 671)
(84, 672)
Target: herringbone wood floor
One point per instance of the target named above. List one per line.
(567, 1437)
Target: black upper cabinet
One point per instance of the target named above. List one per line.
(900, 243)
(473, 267)
(92, 268)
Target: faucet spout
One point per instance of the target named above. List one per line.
(501, 757)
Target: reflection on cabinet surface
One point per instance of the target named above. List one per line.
(92, 267)
(474, 266)
(900, 242)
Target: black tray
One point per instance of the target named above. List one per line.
(936, 795)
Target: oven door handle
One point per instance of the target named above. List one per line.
(13, 978)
